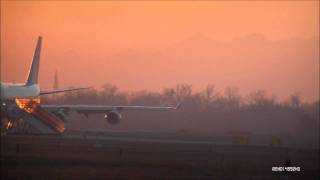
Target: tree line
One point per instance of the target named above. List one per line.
(207, 110)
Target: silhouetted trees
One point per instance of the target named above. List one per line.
(207, 110)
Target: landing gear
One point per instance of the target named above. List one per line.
(17, 126)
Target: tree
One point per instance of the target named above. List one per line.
(294, 100)
(259, 99)
(233, 97)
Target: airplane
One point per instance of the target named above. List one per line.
(31, 87)
(22, 101)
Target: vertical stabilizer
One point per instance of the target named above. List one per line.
(56, 82)
(34, 69)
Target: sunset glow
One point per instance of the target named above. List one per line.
(153, 45)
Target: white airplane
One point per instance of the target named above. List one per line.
(20, 101)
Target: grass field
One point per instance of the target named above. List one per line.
(60, 157)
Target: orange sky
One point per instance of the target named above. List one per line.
(95, 41)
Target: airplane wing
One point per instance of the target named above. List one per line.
(96, 109)
(111, 113)
(61, 90)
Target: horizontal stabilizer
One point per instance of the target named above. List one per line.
(61, 90)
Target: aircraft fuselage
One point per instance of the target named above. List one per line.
(13, 91)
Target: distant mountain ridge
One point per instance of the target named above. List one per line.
(250, 62)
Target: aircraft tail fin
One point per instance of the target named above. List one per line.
(34, 69)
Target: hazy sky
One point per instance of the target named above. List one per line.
(81, 37)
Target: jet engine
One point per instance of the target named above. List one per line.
(61, 115)
(113, 117)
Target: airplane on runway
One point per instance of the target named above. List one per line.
(20, 101)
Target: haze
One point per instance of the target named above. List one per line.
(152, 45)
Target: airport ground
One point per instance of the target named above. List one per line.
(101, 156)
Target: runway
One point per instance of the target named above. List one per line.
(90, 157)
